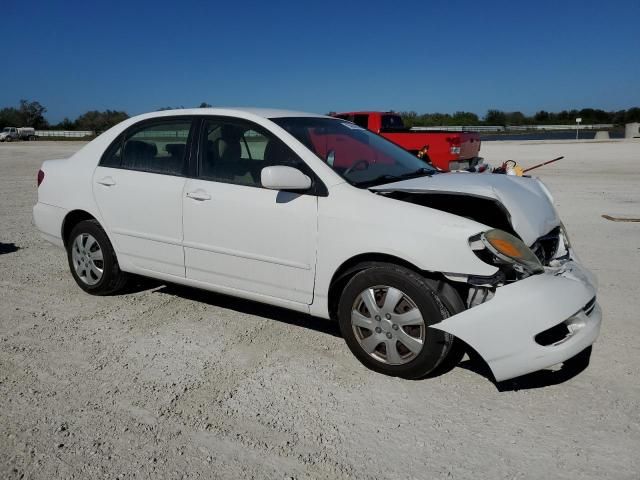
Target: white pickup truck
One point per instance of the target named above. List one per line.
(9, 134)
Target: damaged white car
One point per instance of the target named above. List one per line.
(321, 216)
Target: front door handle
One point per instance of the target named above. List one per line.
(107, 181)
(199, 195)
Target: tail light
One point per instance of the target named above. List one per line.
(40, 177)
(454, 145)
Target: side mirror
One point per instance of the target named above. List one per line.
(280, 177)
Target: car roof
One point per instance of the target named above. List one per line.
(242, 112)
(368, 112)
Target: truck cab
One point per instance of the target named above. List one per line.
(444, 150)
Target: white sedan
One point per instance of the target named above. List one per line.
(321, 216)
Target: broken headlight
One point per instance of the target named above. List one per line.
(506, 252)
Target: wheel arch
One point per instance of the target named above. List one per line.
(71, 219)
(360, 262)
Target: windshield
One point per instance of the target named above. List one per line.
(6, 129)
(361, 157)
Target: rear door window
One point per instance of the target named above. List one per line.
(158, 147)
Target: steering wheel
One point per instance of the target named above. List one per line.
(353, 167)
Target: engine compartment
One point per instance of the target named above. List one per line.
(480, 209)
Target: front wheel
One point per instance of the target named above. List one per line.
(385, 312)
(92, 260)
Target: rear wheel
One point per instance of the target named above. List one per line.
(92, 261)
(385, 312)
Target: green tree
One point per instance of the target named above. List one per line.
(28, 114)
(632, 115)
(542, 117)
(9, 117)
(205, 105)
(162, 109)
(516, 118)
(98, 122)
(65, 124)
(32, 115)
(495, 117)
(465, 118)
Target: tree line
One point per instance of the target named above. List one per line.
(542, 117)
(31, 114)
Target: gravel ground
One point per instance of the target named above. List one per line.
(169, 382)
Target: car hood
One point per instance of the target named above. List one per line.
(526, 200)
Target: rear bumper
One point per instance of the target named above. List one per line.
(504, 329)
(48, 220)
(464, 164)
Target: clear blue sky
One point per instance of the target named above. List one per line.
(321, 55)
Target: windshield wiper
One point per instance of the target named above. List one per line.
(379, 179)
(422, 171)
(385, 178)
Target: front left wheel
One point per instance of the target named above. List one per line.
(385, 312)
(92, 260)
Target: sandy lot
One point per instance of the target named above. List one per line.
(168, 382)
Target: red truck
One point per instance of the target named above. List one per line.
(444, 150)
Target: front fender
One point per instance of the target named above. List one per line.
(352, 222)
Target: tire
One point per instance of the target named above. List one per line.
(92, 260)
(8, 139)
(385, 341)
(33, 138)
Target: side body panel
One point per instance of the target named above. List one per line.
(352, 222)
(48, 220)
(143, 212)
(66, 187)
(251, 239)
(439, 144)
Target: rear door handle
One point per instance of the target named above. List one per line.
(199, 195)
(107, 181)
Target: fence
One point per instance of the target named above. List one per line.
(515, 128)
(595, 126)
(468, 128)
(64, 133)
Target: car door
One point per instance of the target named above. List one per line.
(138, 187)
(239, 235)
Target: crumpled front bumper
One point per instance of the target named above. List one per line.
(503, 330)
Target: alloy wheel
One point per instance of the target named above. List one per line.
(87, 258)
(388, 325)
